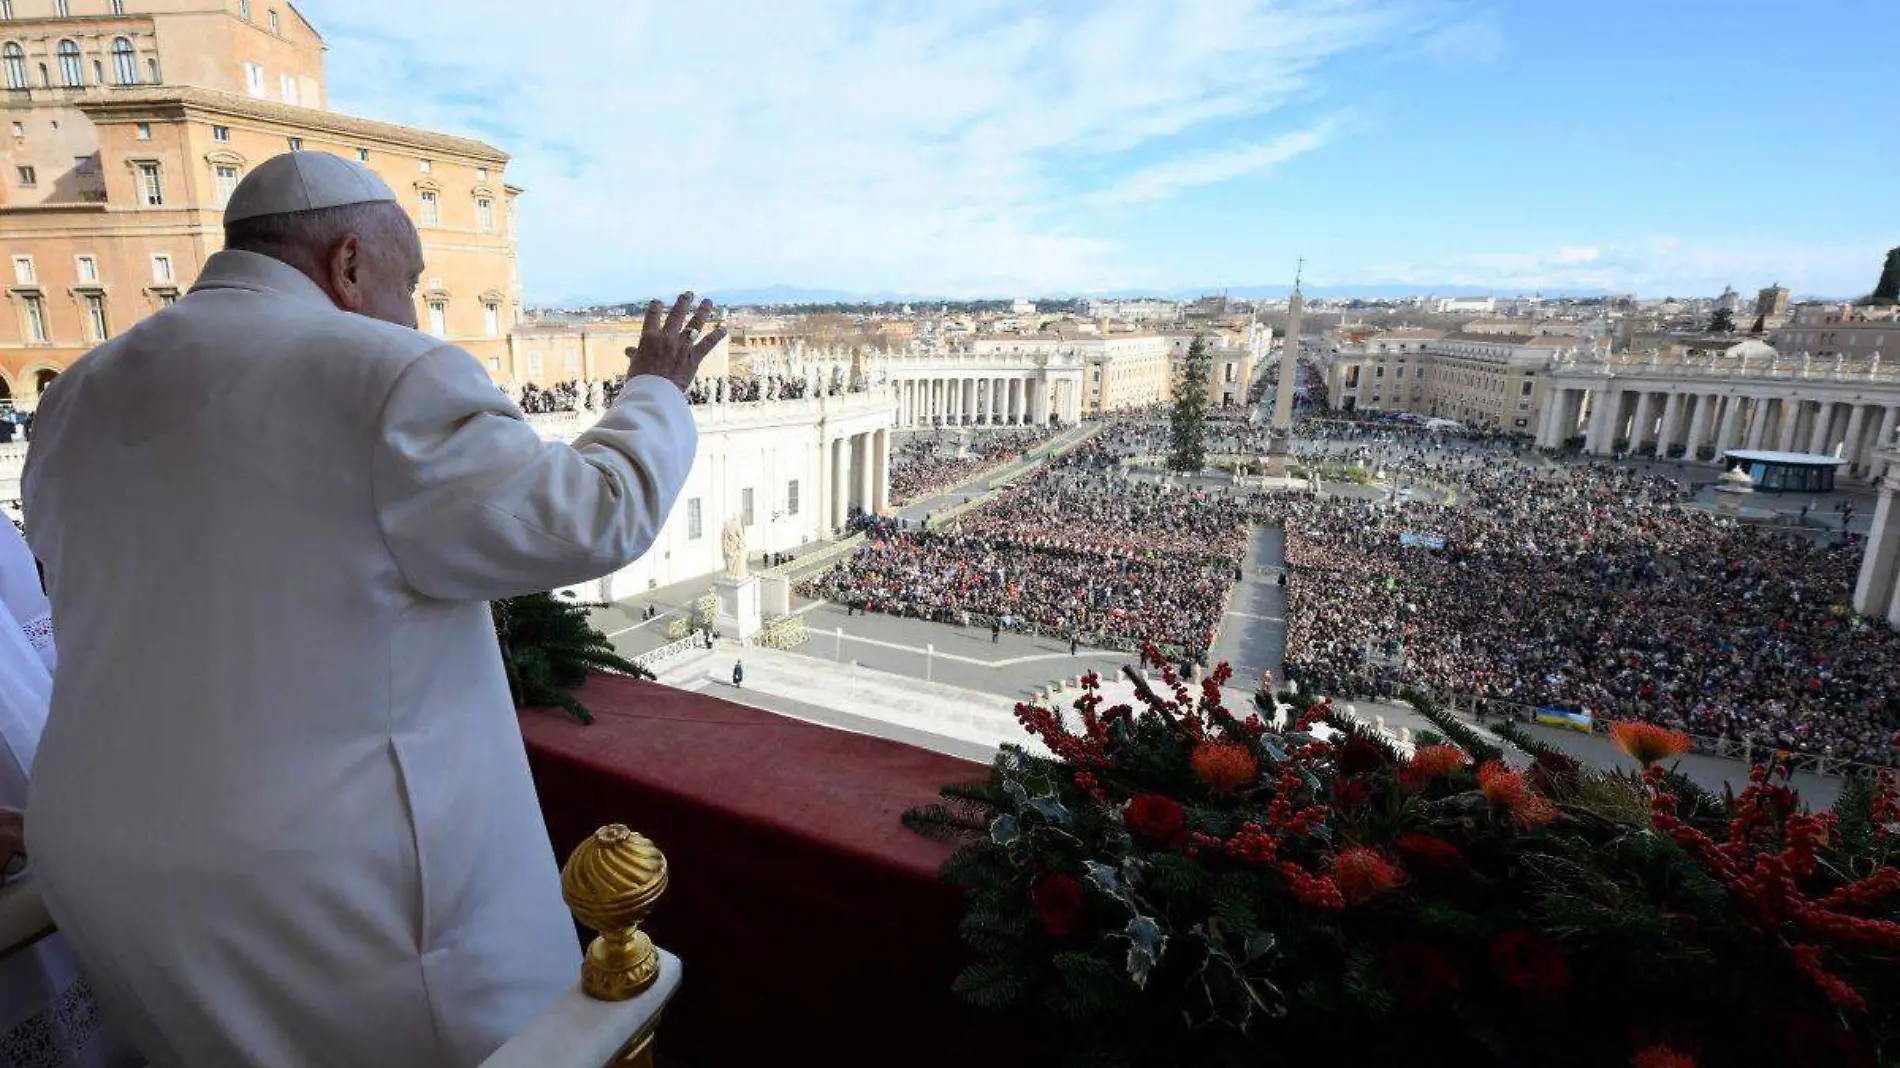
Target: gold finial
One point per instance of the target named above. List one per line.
(611, 882)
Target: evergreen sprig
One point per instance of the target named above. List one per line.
(549, 647)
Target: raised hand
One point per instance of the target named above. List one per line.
(673, 348)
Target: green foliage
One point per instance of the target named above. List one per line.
(1452, 727)
(1187, 429)
(549, 647)
(1887, 290)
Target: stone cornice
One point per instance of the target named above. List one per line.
(125, 105)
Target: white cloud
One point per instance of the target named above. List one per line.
(864, 144)
(1205, 168)
(1655, 266)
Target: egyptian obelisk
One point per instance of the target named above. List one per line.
(1279, 449)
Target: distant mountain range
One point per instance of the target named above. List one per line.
(787, 294)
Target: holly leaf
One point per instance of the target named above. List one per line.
(1003, 830)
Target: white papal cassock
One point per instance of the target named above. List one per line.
(281, 808)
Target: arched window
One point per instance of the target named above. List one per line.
(125, 65)
(43, 378)
(15, 59)
(72, 72)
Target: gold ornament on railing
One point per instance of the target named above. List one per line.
(611, 882)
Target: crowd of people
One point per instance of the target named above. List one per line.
(1075, 551)
(580, 394)
(929, 463)
(1588, 586)
(1592, 588)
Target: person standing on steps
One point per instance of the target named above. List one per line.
(738, 675)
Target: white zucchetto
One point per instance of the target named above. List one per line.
(304, 181)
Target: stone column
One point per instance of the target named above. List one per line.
(866, 460)
(820, 507)
(1856, 430)
(1547, 422)
(1790, 415)
(1639, 425)
(1818, 432)
(1876, 464)
(1698, 425)
(1601, 437)
(1039, 401)
(1874, 589)
(1757, 421)
(1671, 423)
(840, 482)
(1013, 406)
(1727, 435)
(883, 496)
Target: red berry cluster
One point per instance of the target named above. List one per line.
(1772, 848)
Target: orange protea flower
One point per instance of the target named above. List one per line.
(1646, 742)
(1509, 789)
(1661, 1057)
(1225, 766)
(1429, 761)
(1363, 874)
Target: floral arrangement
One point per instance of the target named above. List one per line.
(1181, 884)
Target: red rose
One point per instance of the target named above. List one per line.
(1527, 961)
(1430, 851)
(1158, 821)
(1058, 904)
(1417, 973)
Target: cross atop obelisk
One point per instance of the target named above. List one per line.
(1281, 446)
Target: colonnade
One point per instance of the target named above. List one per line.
(1679, 423)
(1877, 590)
(987, 400)
(855, 472)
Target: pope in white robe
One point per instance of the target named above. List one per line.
(281, 807)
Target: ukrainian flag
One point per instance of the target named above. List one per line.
(1557, 717)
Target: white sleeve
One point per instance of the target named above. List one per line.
(474, 505)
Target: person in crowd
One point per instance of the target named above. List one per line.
(280, 716)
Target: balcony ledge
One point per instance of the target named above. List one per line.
(806, 912)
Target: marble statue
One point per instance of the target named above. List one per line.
(597, 396)
(732, 543)
(1840, 361)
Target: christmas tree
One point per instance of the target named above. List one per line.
(1188, 427)
(1887, 291)
(549, 647)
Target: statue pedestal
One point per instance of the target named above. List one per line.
(1279, 458)
(738, 612)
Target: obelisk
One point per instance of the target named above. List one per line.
(1280, 448)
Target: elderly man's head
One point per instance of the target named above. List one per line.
(338, 223)
(367, 257)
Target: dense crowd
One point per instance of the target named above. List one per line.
(929, 463)
(1590, 588)
(1074, 551)
(580, 394)
(1583, 587)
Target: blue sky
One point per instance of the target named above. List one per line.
(976, 147)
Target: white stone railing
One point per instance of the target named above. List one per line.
(654, 657)
(1777, 373)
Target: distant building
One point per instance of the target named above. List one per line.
(128, 132)
(1730, 301)
(1020, 306)
(1467, 305)
(1825, 331)
(1772, 301)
